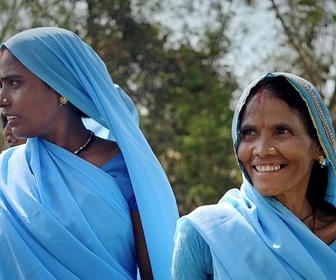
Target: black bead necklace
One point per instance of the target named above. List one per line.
(86, 144)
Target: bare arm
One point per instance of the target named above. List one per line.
(141, 248)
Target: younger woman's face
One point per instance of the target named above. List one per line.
(31, 108)
(269, 122)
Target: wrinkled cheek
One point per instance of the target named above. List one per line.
(243, 155)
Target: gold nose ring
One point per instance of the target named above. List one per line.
(5, 100)
(271, 150)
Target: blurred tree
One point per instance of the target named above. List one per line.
(306, 32)
(182, 90)
(198, 152)
(183, 100)
(17, 15)
(183, 87)
(310, 29)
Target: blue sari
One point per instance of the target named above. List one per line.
(249, 236)
(60, 216)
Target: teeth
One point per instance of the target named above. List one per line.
(267, 168)
(11, 118)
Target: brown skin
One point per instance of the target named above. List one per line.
(325, 227)
(33, 109)
(269, 122)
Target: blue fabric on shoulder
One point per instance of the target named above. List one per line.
(61, 223)
(251, 236)
(73, 69)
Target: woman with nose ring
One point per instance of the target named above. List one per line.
(73, 204)
(281, 223)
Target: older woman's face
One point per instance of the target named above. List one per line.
(29, 106)
(269, 122)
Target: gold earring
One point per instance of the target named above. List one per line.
(321, 161)
(271, 151)
(63, 100)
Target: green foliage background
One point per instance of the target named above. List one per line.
(184, 88)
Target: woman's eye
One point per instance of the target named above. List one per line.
(247, 132)
(282, 131)
(15, 84)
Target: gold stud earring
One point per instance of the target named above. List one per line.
(63, 100)
(321, 161)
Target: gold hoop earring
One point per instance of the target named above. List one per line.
(63, 100)
(321, 161)
(271, 151)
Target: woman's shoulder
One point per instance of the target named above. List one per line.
(192, 254)
(193, 237)
(116, 166)
(225, 206)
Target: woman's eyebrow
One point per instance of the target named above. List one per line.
(10, 76)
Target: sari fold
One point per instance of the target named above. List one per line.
(72, 68)
(251, 236)
(264, 242)
(50, 211)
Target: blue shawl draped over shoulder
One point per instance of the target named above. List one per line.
(254, 237)
(53, 203)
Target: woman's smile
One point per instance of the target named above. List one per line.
(273, 147)
(267, 168)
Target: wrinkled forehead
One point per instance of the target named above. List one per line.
(318, 111)
(266, 107)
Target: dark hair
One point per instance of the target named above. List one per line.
(280, 87)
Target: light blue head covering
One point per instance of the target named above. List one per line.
(319, 114)
(250, 236)
(68, 65)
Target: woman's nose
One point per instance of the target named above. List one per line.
(3, 101)
(263, 147)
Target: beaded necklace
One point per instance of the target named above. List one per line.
(86, 144)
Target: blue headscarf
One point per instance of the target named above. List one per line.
(74, 70)
(251, 236)
(320, 117)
